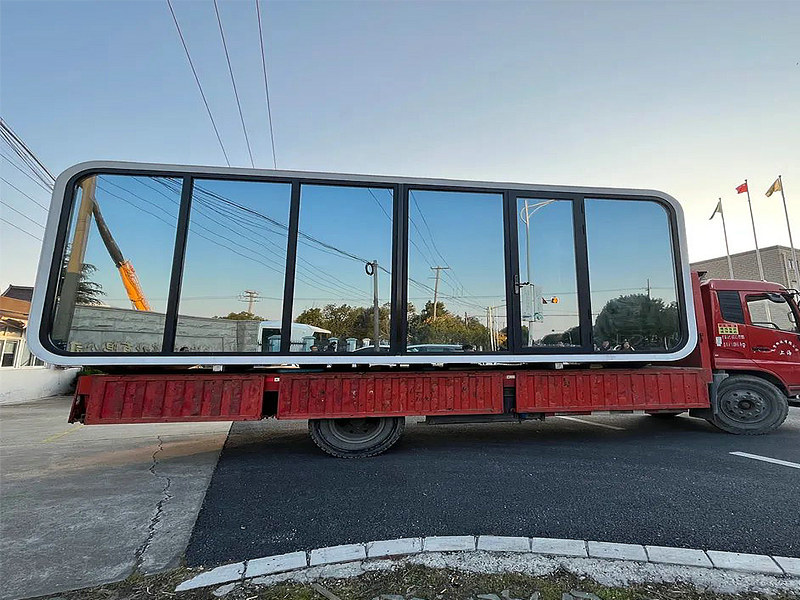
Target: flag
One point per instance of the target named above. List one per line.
(716, 210)
(775, 187)
(741, 189)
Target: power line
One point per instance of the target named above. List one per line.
(28, 175)
(266, 85)
(15, 226)
(21, 213)
(6, 129)
(31, 198)
(233, 81)
(199, 86)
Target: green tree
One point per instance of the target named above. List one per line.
(242, 316)
(644, 321)
(344, 321)
(447, 328)
(88, 291)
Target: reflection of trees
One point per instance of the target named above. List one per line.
(346, 321)
(570, 337)
(242, 316)
(447, 328)
(644, 321)
(88, 291)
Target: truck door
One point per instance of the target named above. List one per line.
(773, 334)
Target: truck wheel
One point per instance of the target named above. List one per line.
(356, 438)
(749, 405)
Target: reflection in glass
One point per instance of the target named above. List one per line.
(631, 276)
(456, 273)
(548, 286)
(115, 272)
(232, 290)
(343, 279)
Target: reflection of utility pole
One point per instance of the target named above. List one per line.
(436, 288)
(250, 297)
(527, 211)
(77, 250)
(376, 319)
(648, 288)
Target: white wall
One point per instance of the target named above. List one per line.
(28, 383)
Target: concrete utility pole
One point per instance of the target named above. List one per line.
(250, 297)
(436, 288)
(376, 317)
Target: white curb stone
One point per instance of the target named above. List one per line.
(337, 554)
(498, 543)
(223, 574)
(678, 556)
(736, 561)
(449, 543)
(558, 547)
(617, 551)
(276, 564)
(790, 565)
(398, 547)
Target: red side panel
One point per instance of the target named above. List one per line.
(611, 389)
(390, 394)
(166, 398)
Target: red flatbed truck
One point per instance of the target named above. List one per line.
(740, 377)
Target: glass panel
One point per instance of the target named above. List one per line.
(232, 290)
(456, 273)
(114, 283)
(343, 231)
(766, 312)
(549, 286)
(9, 349)
(631, 276)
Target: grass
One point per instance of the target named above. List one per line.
(409, 581)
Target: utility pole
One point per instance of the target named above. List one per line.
(376, 319)
(436, 288)
(250, 297)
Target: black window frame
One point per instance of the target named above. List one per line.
(400, 244)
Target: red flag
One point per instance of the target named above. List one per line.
(741, 189)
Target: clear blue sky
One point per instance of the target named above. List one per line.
(690, 98)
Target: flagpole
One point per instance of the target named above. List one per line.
(725, 234)
(755, 237)
(791, 242)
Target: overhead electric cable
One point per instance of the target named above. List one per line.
(199, 86)
(19, 212)
(266, 85)
(233, 81)
(15, 226)
(28, 175)
(31, 198)
(5, 127)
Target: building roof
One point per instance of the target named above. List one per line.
(19, 292)
(13, 308)
(745, 253)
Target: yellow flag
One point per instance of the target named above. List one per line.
(775, 187)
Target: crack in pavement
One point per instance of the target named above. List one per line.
(159, 509)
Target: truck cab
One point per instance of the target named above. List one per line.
(753, 330)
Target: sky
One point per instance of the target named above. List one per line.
(688, 98)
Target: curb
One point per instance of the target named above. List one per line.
(783, 566)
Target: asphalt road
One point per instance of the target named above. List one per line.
(647, 481)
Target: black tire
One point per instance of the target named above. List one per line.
(665, 415)
(356, 438)
(747, 405)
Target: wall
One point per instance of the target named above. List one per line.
(776, 261)
(29, 383)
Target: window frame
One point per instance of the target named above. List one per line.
(63, 198)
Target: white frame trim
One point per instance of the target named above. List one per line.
(59, 198)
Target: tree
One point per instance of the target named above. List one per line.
(446, 328)
(88, 291)
(642, 320)
(344, 321)
(242, 316)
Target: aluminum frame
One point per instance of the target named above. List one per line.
(58, 218)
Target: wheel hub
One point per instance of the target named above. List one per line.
(745, 406)
(356, 430)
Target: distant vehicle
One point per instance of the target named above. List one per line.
(300, 334)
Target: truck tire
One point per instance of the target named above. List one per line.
(747, 405)
(356, 438)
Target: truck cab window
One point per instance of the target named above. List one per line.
(771, 311)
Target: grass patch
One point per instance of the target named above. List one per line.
(408, 581)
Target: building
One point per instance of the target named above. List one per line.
(777, 262)
(22, 375)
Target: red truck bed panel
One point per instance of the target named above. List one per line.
(165, 398)
(611, 389)
(389, 394)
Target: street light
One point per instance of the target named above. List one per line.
(525, 213)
